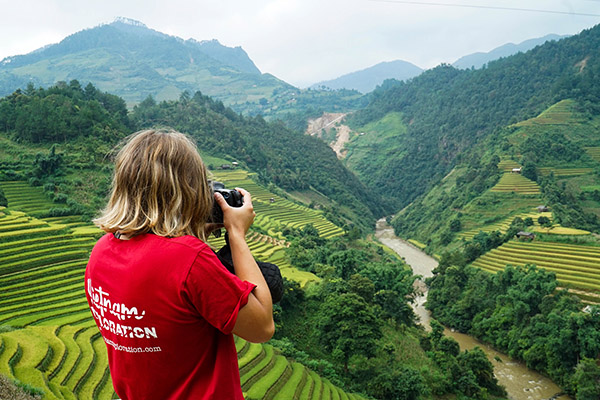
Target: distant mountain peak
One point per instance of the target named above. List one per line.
(479, 59)
(367, 79)
(128, 21)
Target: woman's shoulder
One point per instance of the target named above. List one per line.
(188, 242)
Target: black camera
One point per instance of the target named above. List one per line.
(231, 196)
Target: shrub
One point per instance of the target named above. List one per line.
(60, 198)
(33, 181)
(3, 200)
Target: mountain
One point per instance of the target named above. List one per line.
(369, 78)
(130, 60)
(444, 112)
(478, 60)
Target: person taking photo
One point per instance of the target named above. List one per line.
(165, 305)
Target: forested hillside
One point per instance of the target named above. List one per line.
(447, 111)
(128, 59)
(89, 122)
(508, 199)
(555, 152)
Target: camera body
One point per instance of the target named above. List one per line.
(231, 196)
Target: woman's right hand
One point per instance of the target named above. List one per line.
(255, 320)
(237, 220)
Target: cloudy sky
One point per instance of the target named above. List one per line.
(306, 41)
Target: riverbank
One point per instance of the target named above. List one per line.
(521, 383)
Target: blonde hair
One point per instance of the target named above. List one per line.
(160, 185)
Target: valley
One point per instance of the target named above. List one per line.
(521, 382)
(490, 176)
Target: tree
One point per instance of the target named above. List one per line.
(405, 383)
(529, 171)
(587, 379)
(348, 326)
(544, 221)
(455, 225)
(47, 165)
(3, 200)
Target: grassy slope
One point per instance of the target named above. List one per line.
(375, 141)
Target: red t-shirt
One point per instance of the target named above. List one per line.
(166, 308)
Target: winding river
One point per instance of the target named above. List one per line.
(520, 382)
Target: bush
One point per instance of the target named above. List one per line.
(3, 200)
(59, 212)
(10, 175)
(33, 181)
(60, 198)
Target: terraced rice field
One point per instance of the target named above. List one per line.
(504, 224)
(516, 183)
(23, 197)
(561, 172)
(274, 212)
(48, 337)
(593, 152)
(575, 266)
(70, 362)
(560, 113)
(508, 165)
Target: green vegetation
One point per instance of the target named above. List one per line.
(63, 112)
(58, 349)
(516, 183)
(357, 328)
(518, 311)
(280, 156)
(375, 145)
(447, 111)
(574, 265)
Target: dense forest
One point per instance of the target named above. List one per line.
(357, 328)
(520, 312)
(447, 111)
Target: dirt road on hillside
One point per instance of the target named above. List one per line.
(329, 121)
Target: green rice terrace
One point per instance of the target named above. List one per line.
(70, 362)
(503, 225)
(274, 212)
(514, 182)
(576, 266)
(593, 152)
(48, 338)
(562, 113)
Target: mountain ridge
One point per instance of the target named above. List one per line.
(133, 61)
(446, 110)
(479, 59)
(366, 80)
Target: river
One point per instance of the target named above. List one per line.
(521, 383)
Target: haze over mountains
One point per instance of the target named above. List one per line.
(368, 79)
(128, 59)
(479, 59)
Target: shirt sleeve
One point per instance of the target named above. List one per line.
(217, 294)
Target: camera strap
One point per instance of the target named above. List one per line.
(270, 271)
